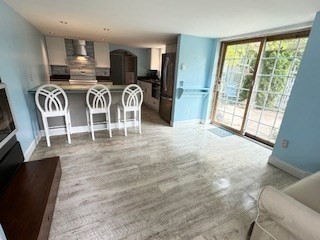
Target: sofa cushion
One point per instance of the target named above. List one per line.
(306, 191)
(282, 217)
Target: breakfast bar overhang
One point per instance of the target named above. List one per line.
(76, 94)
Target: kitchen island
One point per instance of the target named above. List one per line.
(76, 94)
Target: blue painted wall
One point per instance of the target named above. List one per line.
(23, 65)
(143, 57)
(197, 55)
(301, 122)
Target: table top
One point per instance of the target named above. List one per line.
(81, 88)
(27, 204)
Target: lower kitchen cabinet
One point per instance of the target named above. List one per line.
(147, 95)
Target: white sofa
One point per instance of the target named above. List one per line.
(293, 213)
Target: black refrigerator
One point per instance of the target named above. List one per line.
(167, 81)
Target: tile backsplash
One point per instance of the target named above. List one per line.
(60, 70)
(102, 71)
(64, 70)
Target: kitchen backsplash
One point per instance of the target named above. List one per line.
(102, 71)
(60, 70)
(64, 70)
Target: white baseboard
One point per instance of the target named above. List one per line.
(62, 131)
(178, 123)
(205, 121)
(287, 167)
(27, 154)
(82, 129)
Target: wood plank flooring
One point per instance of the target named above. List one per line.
(167, 183)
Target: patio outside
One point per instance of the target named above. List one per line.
(272, 77)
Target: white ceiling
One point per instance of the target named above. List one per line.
(153, 23)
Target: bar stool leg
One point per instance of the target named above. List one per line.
(109, 123)
(135, 118)
(68, 126)
(46, 130)
(125, 122)
(91, 126)
(139, 121)
(119, 117)
(88, 120)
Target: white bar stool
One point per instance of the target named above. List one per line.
(98, 102)
(132, 98)
(52, 101)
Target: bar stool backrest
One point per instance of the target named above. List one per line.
(51, 98)
(132, 96)
(98, 97)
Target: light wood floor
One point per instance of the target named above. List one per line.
(167, 183)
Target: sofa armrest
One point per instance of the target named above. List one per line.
(299, 220)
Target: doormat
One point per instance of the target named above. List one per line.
(220, 132)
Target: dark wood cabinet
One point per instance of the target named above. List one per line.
(27, 204)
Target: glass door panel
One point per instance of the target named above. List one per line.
(276, 74)
(236, 78)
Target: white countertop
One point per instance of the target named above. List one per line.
(82, 88)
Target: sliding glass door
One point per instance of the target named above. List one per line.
(255, 82)
(235, 82)
(278, 68)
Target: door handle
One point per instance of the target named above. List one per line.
(165, 74)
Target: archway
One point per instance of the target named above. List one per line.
(123, 67)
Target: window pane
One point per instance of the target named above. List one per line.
(275, 79)
(267, 66)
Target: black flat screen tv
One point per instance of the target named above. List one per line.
(7, 126)
(11, 156)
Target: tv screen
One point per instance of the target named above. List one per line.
(7, 126)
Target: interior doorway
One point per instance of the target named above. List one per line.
(123, 67)
(255, 81)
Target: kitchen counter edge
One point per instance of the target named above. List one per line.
(82, 88)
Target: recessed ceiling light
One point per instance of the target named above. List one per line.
(63, 22)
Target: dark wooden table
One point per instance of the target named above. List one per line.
(27, 205)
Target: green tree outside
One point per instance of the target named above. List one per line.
(279, 59)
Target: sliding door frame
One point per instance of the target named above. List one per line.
(223, 51)
(223, 48)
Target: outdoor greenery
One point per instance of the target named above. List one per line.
(280, 59)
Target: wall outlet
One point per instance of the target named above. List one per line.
(181, 83)
(285, 143)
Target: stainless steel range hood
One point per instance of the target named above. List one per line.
(82, 67)
(80, 47)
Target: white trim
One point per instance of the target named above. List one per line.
(269, 32)
(205, 121)
(178, 123)
(287, 167)
(27, 154)
(62, 131)
(82, 129)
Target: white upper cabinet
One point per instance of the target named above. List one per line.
(102, 54)
(56, 50)
(155, 59)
